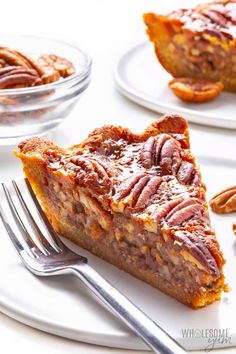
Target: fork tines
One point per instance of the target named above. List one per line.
(28, 235)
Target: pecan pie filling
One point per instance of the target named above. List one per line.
(137, 201)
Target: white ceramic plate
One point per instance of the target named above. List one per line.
(141, 78)
(63, 306)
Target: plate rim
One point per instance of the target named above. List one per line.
(124, 341)
(147, 101)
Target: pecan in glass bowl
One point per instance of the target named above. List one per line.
(41, 80)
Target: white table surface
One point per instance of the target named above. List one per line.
(104, 28)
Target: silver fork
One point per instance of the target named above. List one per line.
(44, 254)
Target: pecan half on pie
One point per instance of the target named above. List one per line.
(135, 200)
(197, 43)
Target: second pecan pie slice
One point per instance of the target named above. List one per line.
(197, 42)
(135, 200)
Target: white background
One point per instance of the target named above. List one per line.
(104, 28)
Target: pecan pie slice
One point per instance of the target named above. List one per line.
(135, 200)
(197, 43)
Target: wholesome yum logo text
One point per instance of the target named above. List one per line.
(212, 336)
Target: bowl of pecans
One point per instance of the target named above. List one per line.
(41, 80)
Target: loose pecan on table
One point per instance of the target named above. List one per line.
(225, 201)
(195, 90)
(234, 228)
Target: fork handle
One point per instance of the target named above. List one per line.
(155, 337)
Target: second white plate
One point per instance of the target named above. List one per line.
(141, 78)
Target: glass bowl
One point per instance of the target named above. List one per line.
(36, 110)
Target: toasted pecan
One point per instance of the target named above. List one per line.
(50, 74)
(195, 90)
(49, 67)
(162, 151)
(137, 190)
(225, 201)
(199, 250)
(89, 170)
(18, 76)
(31, 63)
(55, 67)
(188, 174)
(62, 65)
(16, 58)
